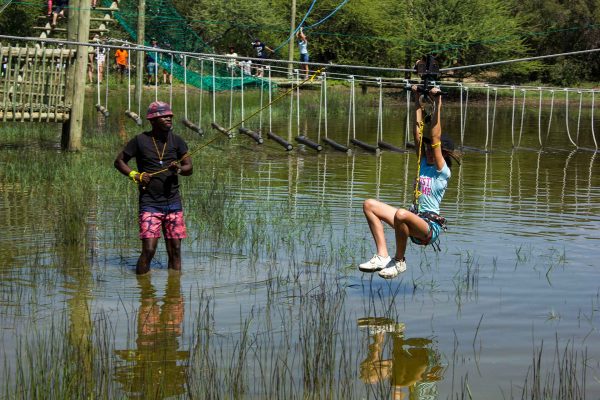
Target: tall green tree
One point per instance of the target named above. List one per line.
(559, 26)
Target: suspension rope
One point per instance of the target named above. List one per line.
(353, 98)
(579, 117)
(567, 117)
(522, 117)
(550, 117)
(380, 112)
(407, 131)
(464, 122)
(493, 118)
(512, 119)
(231, 99)
(129, 80)
(201, 92)
(487, 115)
(156, 76)
(297, 72)
(107, 68)
(260, 115)
(171, 82)
(99, 102)
(270, 102)
(320, 111)
(540, 118)
(324, 75)
(593, 133)
(140, 98)
(214, 92)
(185, 97)
(242, 97)
(291, 113)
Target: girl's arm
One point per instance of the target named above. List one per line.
(418, 119)
(436, 129)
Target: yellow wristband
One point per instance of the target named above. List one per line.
(133, 174)
(438, 144)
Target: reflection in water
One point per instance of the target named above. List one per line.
(156, 369)
(414, 366)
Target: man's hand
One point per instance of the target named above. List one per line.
(175, 167)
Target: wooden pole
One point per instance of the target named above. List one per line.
(72, 26)
(141, 37)
(292, 39)
(82, 13)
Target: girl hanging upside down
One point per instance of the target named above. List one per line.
(422, 223)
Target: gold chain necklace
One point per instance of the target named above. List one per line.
(160, 155)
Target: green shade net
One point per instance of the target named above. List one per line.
(165, 25)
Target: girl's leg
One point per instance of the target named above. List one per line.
(408, 224)
(375, 212)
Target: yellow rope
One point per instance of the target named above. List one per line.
(417, 180)
(189, 154)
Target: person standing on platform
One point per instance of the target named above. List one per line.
(161, 157)
(303, 47)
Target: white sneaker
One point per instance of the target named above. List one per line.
(376, 263)
(393, 268)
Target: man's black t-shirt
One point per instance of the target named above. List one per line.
(162, 192)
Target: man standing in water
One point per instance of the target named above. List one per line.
(161, 156)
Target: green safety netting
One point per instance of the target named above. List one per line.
(171, 30)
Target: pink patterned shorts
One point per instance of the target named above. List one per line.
(172, 225)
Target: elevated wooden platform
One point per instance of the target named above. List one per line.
(34, 84)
